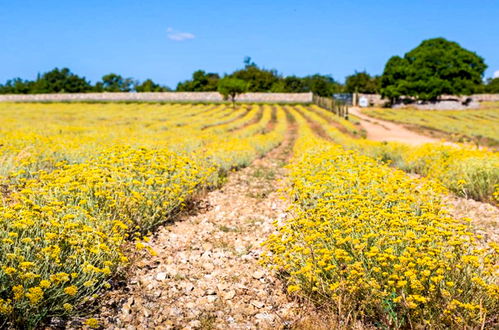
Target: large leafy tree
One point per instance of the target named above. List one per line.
(436, 67)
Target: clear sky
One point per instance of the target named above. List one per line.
(168, 40)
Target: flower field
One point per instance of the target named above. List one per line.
(465, 170)
(83, 184)
(80, 181)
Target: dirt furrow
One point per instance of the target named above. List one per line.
(206, 273)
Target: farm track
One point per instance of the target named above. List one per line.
(381, 130)
(206, 273)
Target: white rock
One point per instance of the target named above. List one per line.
(161, 276)
(258, 274)
(257, 304)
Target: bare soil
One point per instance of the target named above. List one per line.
(382, 130)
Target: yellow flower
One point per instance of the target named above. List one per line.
(92, 323)
(34, 295)
(18, 291)
(71, 290)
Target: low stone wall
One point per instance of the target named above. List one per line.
(160, 97)
(377, 101)
(373, 99)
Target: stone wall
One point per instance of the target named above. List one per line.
(373, 99)
(163, 97)
(376, 100)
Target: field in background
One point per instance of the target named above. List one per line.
(479, 126)
(80, 184)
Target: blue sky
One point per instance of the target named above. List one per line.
(168, 40)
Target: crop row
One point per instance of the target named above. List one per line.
(467, 171)
(371, 244)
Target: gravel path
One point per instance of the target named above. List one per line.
(206, 273)
(382, 130)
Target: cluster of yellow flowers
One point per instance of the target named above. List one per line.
(80, 181)
(375, 245)
(465, 170)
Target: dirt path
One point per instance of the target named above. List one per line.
(381, 130)
(206, 273)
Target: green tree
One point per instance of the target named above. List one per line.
(492, 86)
(150, 86)
(436, 67)
(294, 84)
(17, 86)
(115, 83)
(321, 85)
(258, 79)
(200, 82)
(60, 81)
(362, 82)
(230, 88)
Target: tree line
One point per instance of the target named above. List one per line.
(255, 78)
(65, 81)
(436, 67)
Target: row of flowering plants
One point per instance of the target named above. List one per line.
(372, 244)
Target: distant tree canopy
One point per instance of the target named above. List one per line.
(113, 82)
(55, 81)
(436, 67)
(263, 80)
(258, 80)
(362, 82)
(492, 86)
(322, 85)
(64, 81)
(200, 82)
(150, 86)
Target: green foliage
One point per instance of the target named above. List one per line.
(200, 82)
(115, 83)
(150, 86)
(362, 82)
(61, 81)
(17, 86)
(322, 85)
(492, 86)
(55, 81)
(258, 80)
(263, 80)
(230, 88)
(436, 67)
(293, 84)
